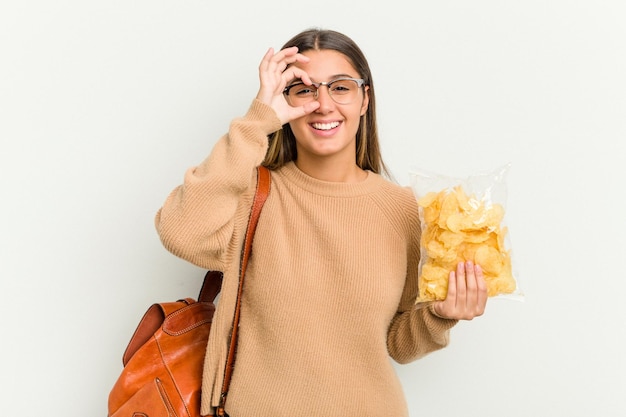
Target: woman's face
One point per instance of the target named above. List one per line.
(330, 131)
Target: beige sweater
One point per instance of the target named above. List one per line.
(330, 287)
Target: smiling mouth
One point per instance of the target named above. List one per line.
(325, 126)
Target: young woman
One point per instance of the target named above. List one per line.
(331, 286)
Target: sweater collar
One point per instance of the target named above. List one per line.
(292, 174)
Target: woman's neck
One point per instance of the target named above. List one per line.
(327, 169)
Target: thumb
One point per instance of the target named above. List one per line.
(293, 113)
(305, 109)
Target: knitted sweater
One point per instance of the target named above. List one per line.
(330, 286)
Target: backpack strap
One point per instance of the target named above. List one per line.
(262, 191)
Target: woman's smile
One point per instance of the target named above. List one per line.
(324, 125)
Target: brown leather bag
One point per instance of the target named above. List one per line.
(163, 361)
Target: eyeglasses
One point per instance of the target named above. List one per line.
(341, 90)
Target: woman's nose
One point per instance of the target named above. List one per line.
(325, 100)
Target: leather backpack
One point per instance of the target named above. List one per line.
(163, 362)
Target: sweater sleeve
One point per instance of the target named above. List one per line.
(196, 221)
(415, 330)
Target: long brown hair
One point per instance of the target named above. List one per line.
(282, 143)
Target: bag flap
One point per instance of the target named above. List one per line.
(149, 324)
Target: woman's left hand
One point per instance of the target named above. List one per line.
(275, 71)
(467, 293)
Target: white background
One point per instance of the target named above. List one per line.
(105, 104)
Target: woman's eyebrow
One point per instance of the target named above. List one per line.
(341, 76)
(331, 78)
(334, 77)
(297, 81)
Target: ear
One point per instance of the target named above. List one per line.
(366, 100)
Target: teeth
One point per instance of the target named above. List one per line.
(325, 126)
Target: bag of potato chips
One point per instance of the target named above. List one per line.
(461, 220)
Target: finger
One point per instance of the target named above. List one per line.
(452, 290)
(447, 307)
(284, 58)
(290, 55)
(271, 59)
(481, 289)
(470, 283)
(293, 73)
(289, 60)
(311, 106)
(276, 57)
(292, 50)
(461, 289)
(266, 59)
(303, 110)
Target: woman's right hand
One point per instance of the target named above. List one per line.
(467, 293)
(275, 71)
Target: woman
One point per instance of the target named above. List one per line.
(330, 289)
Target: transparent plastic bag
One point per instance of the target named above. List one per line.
(464, 219)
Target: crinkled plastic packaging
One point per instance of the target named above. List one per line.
(463, 219)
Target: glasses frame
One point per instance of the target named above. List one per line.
(359, 81)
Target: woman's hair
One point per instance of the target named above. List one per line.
(282, 143)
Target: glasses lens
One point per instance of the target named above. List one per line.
(299, 93)
(343, 91)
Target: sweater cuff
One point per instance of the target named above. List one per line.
(443, 321)
(265, 115)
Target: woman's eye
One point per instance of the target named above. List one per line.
(303, 90)
(342, 86)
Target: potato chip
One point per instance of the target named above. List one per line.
(449, 207)
(490, 260)
(476, 236)
(458, 227)
(450, 239)
(432, 276)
